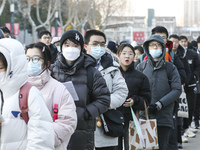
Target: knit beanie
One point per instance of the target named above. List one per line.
(72, 34)
(112, 46)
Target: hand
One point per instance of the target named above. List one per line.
(128, 102)
(154, 108)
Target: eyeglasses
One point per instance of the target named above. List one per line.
(155, 45)
(96, 44)
(34, 59)
(47, 38)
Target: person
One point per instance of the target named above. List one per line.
(165, 86)
(95, 46)
(15, 133)
(112, 46)
(180, 52)
(6, 32)
(138, 86)
(39, 59)
(138, 50)
(93, 96)
(194, 65)
(1, 34)
(56, 41)
(45, 37)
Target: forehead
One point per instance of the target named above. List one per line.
(46, 35)
(127, 49)
(183, 40)
(174, 39)
(153, 42)
(97, 38)
(33, 51)
(161, 34)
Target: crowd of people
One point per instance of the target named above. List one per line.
(74, 79)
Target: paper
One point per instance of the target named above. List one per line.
(70, 87)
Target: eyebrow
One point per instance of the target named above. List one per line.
(98, 42)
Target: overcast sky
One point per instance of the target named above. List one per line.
(161, 7)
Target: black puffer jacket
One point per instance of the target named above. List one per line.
(54, 53)
(87, 110)
(139, 90)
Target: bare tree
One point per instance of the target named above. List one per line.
(2, 6)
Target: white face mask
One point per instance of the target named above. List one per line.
(71, 53)
(2, 76)
(155, 53)
(97, 51)
(34, 69)
(58, 48)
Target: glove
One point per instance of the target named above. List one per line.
(154, 108)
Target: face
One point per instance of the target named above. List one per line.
(137, 55)
(198, 44)
(126, 56)
(2, 68)
(163, 35)
(183, 42)
(35, 55)
(175, 43)
(154, 45)
(95, 40)
(57, 44)
(7, 35)
(69, 43)
(46, 39)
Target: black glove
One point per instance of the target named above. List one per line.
(154, 108)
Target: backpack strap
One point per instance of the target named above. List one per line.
(23, 101)
(90, 81)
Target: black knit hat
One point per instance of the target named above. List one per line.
(72, 34)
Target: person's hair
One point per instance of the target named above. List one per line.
(46, 52)
(90, 33)
(122, 42)
(3, 59)
(45, 32)
(175, 36)
(140, 48)
(5, 30)
(198, 39)
(159, 29)
(183, 37)
(122, 46)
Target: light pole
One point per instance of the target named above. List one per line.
(12, 9)
(56, 24)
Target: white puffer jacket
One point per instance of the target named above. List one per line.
(15, 133)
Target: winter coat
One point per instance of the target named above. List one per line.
(55, 92)
(54, 52)
(139, 90)
(181, 54)
(119, 91)
(194, 64)
(15, 133)
(87, 110)
(163, 88)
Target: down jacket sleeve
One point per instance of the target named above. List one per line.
(101, 95)
(119, 90)
(143, 95)
(65, 125)
(40, 124)
(175, 92)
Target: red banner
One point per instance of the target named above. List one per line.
(16, 29)
(53, 31)
(59, 31)
(138, 36)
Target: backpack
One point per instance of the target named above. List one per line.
(23, 102)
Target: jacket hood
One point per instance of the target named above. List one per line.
(16, 73)
(180, 51)
(159, 39)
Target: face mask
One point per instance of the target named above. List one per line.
(58, 48)
(2, 76)
(34, 69)
(97, 51)
(71, 53)
(155, 53)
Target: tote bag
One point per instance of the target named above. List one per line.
(183, 105)
(148, 130)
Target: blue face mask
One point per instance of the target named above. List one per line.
(34, 69)
(155, 53)
(97, 51)
(58, 48)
